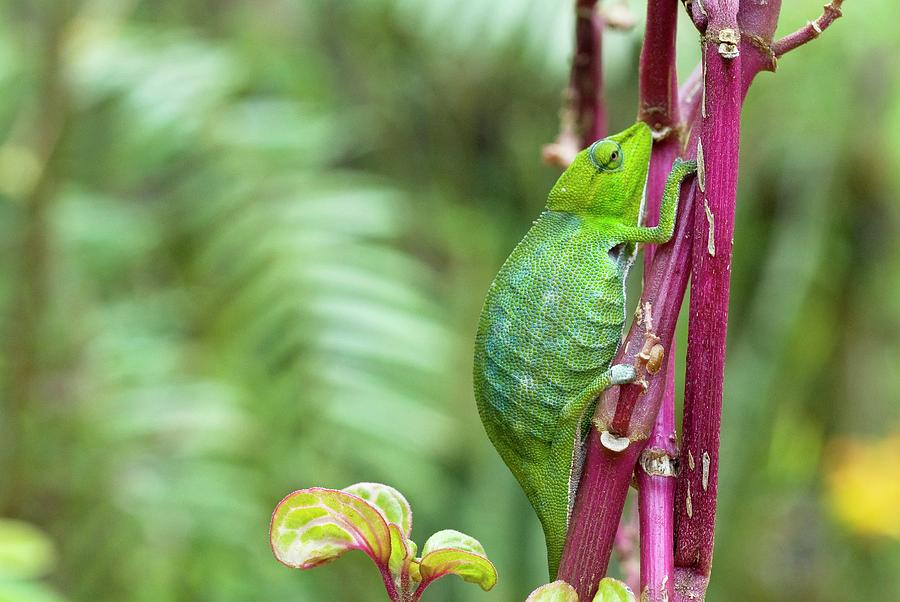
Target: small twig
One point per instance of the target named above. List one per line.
(812, 30)
(561, 152)
(583, 117)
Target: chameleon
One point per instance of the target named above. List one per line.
(554, 316)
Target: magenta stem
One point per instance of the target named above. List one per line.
(656, 497)
(659, 103)
(587, 73)
(659, 108)
(595, 516)
(389, 584)
(714, 206)
(657, 76)
(812, 30)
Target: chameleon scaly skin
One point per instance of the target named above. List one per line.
(553, 319)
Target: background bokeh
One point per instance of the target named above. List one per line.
(243, 246)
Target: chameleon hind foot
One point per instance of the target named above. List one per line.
(619, 374)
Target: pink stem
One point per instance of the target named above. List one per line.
(707, 327)
(389, 584)
(656, 496)
(587, 73)
(659, 108)
(595, 516)
(735, 47)
(658, 78)
(812, 30)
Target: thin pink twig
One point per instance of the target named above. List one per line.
(811, 31)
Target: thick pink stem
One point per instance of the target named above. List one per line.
(595, 516)
(659, 108)
(735, 47)
(707, 327)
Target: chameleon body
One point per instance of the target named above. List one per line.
(553, 319)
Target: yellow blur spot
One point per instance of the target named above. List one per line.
(864, 485)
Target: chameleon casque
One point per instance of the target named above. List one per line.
(553, 319)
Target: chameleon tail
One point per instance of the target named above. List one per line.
(555, 545)
(554, 525)
(566, 463)
(562, 479)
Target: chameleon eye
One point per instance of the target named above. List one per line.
(606, 155)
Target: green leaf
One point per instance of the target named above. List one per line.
(558, 591)
(387, 500)
(313, 526)
(450, 552)
(613, 590)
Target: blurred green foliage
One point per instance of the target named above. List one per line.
(244, 245)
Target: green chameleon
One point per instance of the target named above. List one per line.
(553, 319)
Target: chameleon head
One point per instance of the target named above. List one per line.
(607, 179)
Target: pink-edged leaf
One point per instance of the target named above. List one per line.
(558, 591)
(450, 552)
(316, 525)
(390, 502)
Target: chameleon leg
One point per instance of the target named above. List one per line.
(663, 232)
(618, 374)
(566, 459)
